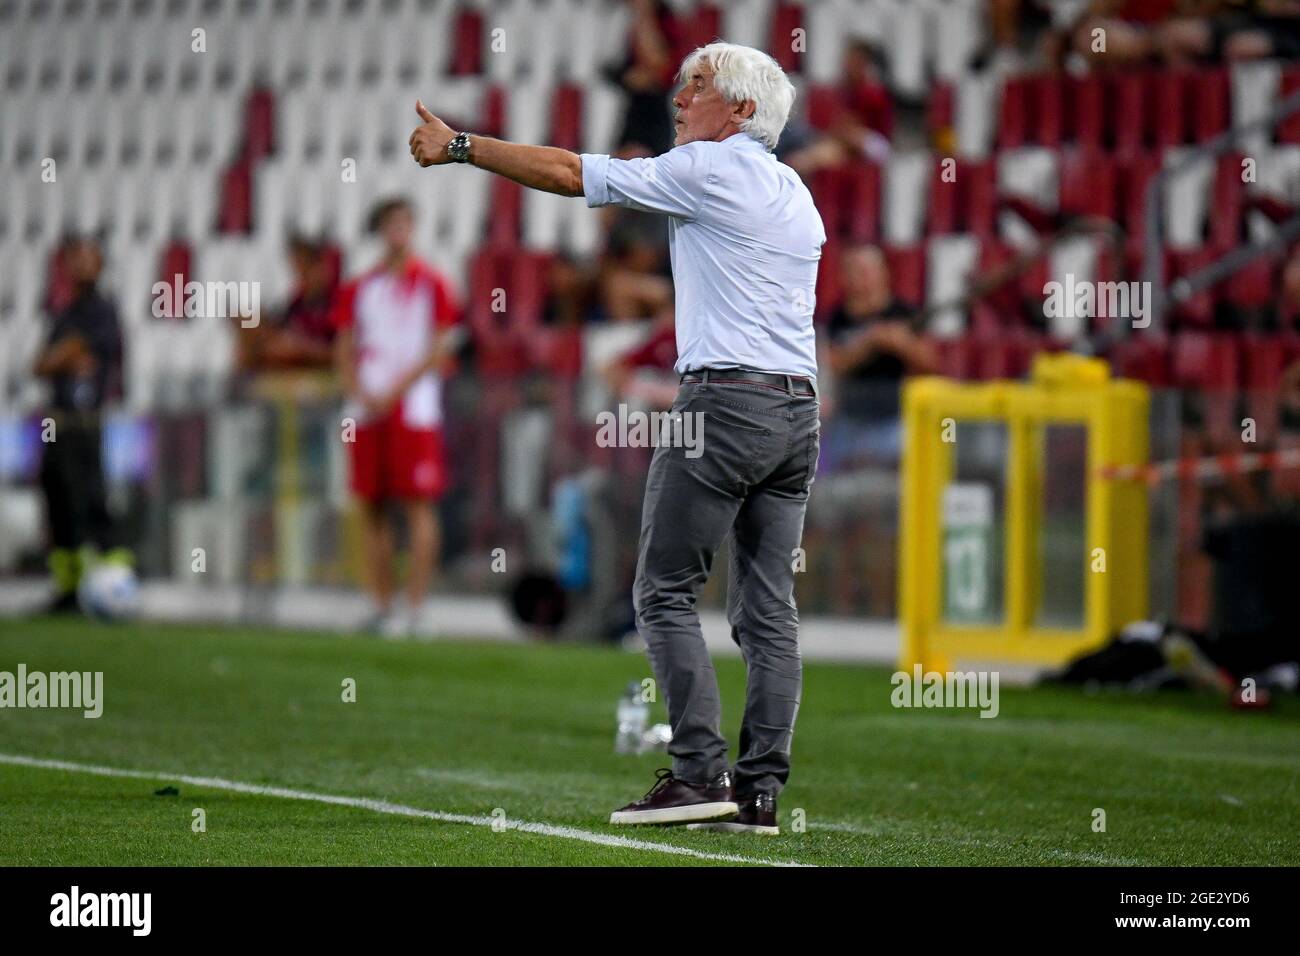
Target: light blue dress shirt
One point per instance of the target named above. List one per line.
(745, 240)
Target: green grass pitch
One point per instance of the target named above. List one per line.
(475, 733)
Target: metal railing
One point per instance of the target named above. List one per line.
(1164, 298)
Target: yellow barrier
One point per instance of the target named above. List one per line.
(954, 536)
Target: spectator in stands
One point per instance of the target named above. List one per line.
(861, 124)
(82, 361)
(302, 334)
(570, 294)
(633, 278)
(871, 348)
(1177, 34)
(1239, 32)
(396, 334)
(868, 108)
(646, 76)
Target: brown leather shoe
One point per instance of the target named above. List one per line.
(675, 801)
(757, 815)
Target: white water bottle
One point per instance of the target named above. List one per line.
(633, 713)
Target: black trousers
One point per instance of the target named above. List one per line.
(72, 477)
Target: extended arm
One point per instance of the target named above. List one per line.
(546, 168)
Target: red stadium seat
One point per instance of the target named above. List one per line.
(1206, 361)
(1003, 301)
(702, 26)
(494, 111)
(176, 259)
(1013, 113)
(1131, 103)
(861, 193)
(506, 213)
(786, 18)
(566, 118)
(501, 351)
(1008, 355)
(940, 111)
(559, 350)
(985, 320)
(824, 105)
(827, 188)
(526, 291)
(1031, 281)
(1088, 107)
(958, 357)
(1169, 94)
(59, 292)
(907, 273)
(1198, 311)
(467, 45)
(1288, 131)
(1264, 357)
(1209, 98)
(1144, 357)
(943, 201)
(979, 182)
(1049, 106)
(829, 290)
(259, 123)
(1228, 198)
(1253, 287)
(1088, 184)
(1211, 363)
(235, 212)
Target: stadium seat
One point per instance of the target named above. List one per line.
(1209, 102)
(907, 273)
(1145, 357)
(1198, 310)
(468, 33)
(1252, 287)
(1133, 111)
(1013, 113)
(1087, 97)
(1088, 184)
(1288, 130)
(862, 200)
(1227, 201)
(1169, 88)
(785, 19)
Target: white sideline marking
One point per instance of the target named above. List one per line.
(396, 809)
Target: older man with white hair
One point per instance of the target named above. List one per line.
(745, 241)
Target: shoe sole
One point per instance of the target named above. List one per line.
(730, 827)
(695, 812)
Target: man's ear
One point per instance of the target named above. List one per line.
(744, 110)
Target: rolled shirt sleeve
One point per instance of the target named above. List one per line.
(674, 183)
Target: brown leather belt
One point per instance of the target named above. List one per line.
(793, 384)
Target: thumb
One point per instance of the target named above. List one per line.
(424, 112)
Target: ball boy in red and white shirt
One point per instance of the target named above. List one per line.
(397, 328)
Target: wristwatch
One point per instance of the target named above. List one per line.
(458, 148)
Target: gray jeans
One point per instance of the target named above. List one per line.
(759, 455)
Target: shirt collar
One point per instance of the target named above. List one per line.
(744, 141)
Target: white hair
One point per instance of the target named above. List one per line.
(742, 73)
